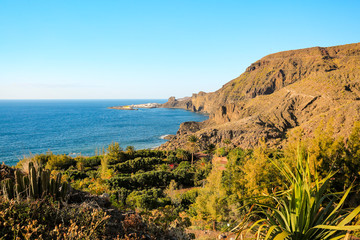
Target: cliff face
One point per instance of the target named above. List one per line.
(277, 93)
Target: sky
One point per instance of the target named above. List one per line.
(132, 49)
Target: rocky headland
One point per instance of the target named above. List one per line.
(136, 106)
(280, 92)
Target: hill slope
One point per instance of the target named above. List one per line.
(275, 94)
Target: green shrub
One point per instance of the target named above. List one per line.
(147, 199)
(60, 162)
(74, 174)
(118, 198)
(146, 180)
(184, 174)
(148, 153)
(38, 160)
(88, 162)
(171, 158)
(189, 197)
(132, 166)
(183, 155)
(221, 152)
(202, 170)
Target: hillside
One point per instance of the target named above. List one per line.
(276, 94)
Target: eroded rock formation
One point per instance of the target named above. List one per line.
(276, 94)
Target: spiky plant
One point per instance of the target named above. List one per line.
(305, 211)
(37, 184)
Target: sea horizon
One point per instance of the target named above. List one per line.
(40, 99)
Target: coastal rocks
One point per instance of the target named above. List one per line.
(188, 128)
(168, 136)
(282, 91)
(183, 103)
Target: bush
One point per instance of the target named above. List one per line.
(60, 162)
(74, 174)
(46, 220)
(132, 166)
(183, 155)
(221, 152)
(146, 180)
(189, 197)
(147, 199)
(39, 160)
(118, 198)
(147, 153)
(184, 174)
(202, 170)
(88, 162)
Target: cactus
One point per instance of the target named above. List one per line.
(36, 184)
(7, 186)
(33, 183)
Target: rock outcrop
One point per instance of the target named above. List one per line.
(276, 94)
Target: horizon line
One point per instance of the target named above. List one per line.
(15, 99)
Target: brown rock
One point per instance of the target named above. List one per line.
(276, 94)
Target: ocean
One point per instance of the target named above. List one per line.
(75, 127)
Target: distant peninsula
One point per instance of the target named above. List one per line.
(137, 106)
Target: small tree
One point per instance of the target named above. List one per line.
(130, 150)
(114, 154)
(105, 171)
(227, 142)
(193, 145)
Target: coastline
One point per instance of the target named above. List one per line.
(82, 126)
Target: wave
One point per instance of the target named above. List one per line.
(164, 136)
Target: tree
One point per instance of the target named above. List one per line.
(105, 172)
(130, 150)
(115, 154)
(211, 204)
(193, 145)
(227, 142)
(351, 163)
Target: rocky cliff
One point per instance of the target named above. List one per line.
(276, 94)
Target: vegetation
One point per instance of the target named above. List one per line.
(174, 190)
(305, 211)
(44, 219)
(36, 184)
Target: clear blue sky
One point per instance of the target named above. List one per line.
(154, 49)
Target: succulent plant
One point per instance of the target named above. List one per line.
(37, 184)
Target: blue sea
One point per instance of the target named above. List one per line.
(75, 127)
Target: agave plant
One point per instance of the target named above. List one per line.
(306, 211)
